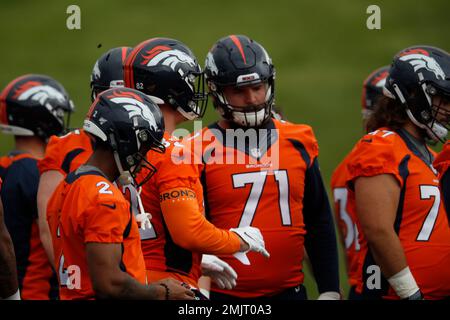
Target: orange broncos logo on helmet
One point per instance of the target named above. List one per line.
(125, 94)
(376, 81)
(26, 86)
(150, 54)
(414, 51)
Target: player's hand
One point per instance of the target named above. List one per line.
(219, 271)
(174, 290)
(255, 241)
(416, 296)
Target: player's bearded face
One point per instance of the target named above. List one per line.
(246, 96)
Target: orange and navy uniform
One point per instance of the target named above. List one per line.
(421, 223)
(345, 214)
(66, 153)
(277, 187)
(180, 233)
(441, 163)
(6, 161)
(37, 281)
(87, 208)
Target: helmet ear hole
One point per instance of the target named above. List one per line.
(425, 115)
(431, 90)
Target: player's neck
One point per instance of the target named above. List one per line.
(172, 118)
(414, 131)
(104, 160)
(32, 145)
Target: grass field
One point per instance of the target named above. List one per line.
(322, 49)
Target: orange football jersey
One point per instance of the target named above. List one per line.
(172, 185)
(85, 208)
(421, 222)
(345, 212)
(66, 153)
(261, 187)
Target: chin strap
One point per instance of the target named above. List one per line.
(124, 176)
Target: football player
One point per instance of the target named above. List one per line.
(272, 182)
(344, 207)
(32, 108)
(167, 70)
(66, 153)
(396, 188)
(95, 236)
(9, 289)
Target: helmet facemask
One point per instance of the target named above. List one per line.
(130, 165)
(422, 111)
(440, 115)
(186, 94)
(194, 107)
(249, 116)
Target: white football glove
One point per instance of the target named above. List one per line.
(253, 237)
(329, 295)
(219, 271)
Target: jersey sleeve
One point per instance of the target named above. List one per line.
(52, 158)
(190, 229)
(107, 216)
(304, 140)
(320, 238)
(177, 170)
(374, 154)
(311, 143)
(442, 161)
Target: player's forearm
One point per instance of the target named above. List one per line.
(8, 273)
(192, 231)
(320, 238)
(322, 252)
(386, 249)
(47, 184)
(206, 238)
(125, 287)
(46, 240)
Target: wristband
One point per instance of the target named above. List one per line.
(15, 296)
(403, 283)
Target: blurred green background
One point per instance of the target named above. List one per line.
(322, 50)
